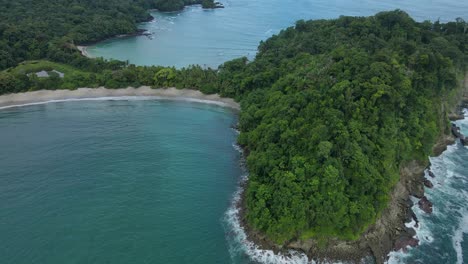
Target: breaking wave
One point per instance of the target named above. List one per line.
(241, 249)
(441, 234)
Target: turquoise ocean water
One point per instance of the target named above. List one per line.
(139, 181)
(443, 235)
(147, 181)
(211, 37)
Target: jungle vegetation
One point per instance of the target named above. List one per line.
(330, 108)
(32, 30)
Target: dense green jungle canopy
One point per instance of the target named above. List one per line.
(330, 108)
(36, 29)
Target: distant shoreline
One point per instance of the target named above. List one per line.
(49, 96)
(139, 32)
(83, 48)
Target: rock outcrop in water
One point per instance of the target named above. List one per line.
(425, 205)
(406, 240)
(457, 133)
(428, 183)
(431, 174)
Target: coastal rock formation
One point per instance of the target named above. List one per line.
(404, 242)
(428, 183)
(387, 234)
(456, 116)
(425, 205)
(414, 217)
(456, 132)
(441, 145)
(415, 187)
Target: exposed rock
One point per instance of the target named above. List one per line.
(409, 203)
(455, 116)
(410, 215)
(431, 174)
(442, 143)
(388, 233)
(416, 189)
(425, 205)
(380, 238)
(428, 183)
(410, 231)
(456, 132)
(404, 241)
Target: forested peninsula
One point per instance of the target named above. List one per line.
(332, 110)
(40, 29)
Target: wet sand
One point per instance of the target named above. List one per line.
(45, 96)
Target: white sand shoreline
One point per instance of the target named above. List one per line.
(50, 96)
(84, 51)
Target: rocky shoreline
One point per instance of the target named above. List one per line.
(390, 232)
(387, 234)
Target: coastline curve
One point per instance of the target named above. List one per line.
(101, 93)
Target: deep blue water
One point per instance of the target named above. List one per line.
(211, 37)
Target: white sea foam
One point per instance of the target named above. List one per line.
(449, 205)
(446, 177)
(240, 245)
(396, 257)
(411, 224)
(237, 133)
(237, 147)
(458, 237)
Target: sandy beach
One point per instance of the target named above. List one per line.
(84, 51)
(46, 96)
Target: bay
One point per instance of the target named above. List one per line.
(139, 181)
(211, 37)
(151, 181)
